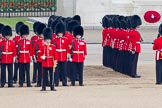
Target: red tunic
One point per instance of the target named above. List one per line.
(158, 47)
(135, 40)
(37, 49)
(8, 51)
(62, 48)
(25, 51)
(79, 51)
(50, 53)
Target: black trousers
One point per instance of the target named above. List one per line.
(69, 69)
(77, 67)
(126, 62)
(35, 71)
(133, 64)
(104, 56)
(158, 71)
(61, 73)
(16, 68)
(24, 69)
(45, 75)
(3, 74)
(114, 58)
(39, 66)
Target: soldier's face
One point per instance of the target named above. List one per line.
(60, 35)
(48, 41)
(24, 36)
(7, 37)
(78, 37)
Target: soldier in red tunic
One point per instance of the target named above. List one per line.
(8, 54)
(24, 55)
(158, 47)
(16, 39)
(61, 44)
(37, 53)
(49, 59)
(33, 40)
(136, 47)
(79, 52)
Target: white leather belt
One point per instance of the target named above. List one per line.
(60, 50)
(78, 52)
(138, 42)
(24, 51)
(7, 52)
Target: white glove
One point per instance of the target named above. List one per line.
(68, 57)
(14, 59)
(70, 60)
(84, 60)
(31, 59)
(43, 57)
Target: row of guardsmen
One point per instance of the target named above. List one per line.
(121, 43)
(58, 52)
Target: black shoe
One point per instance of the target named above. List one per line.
(158, 83)
(81, 84)
(53, 89)
(64, 85)
(33, 81)
(136, 76)
(20, 85)
(38, 85)
(43, 89)
(29, 85)
(11, 86)
(72, 84)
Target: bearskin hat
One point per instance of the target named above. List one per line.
(71, 25)
(123, 24)
(40, 28)
(17, 27)
(24, 30)
(135, 21)
(1, 27)
(6, 31)
(47, 32)
(35, 25)
(160, 29)
(53, 25)
(77, 18)
(78, 30)
(60, 28)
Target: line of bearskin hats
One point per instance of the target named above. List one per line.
(60, 28)
(53, 20)
(40, 28)
(17, 27)
(131, 21)
(47, 33)
(24, 30)
(71, 24)
(1, 27)
(35, 25)
(7, 31)
(78, 30)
